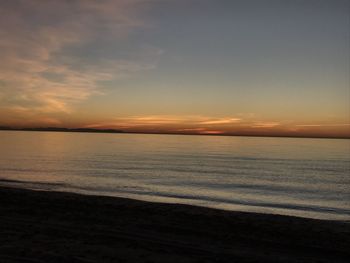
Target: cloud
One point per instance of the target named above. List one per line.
(323, 125)
(38, 74)
(199, 124)
(265, 124)
(221, 121)
(166, 122)
(173, 120)
(191, 130)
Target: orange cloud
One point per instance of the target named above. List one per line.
(188, 123)
(221, 121)
(211, 132)
(323, 125)
(265, 124)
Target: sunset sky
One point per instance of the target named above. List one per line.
(264, 67)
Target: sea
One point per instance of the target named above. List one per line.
(290, 176)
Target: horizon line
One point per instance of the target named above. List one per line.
(94, 130)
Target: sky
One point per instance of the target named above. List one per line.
(236, 67)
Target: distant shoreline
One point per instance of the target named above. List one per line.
(54, 129)
(90, 130)
(66, 227)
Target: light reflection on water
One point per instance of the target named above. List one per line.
(302, 177)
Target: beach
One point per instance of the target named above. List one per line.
(44, 226)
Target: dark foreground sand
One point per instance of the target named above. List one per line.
(61, 227)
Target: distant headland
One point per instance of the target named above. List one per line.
(58, 129)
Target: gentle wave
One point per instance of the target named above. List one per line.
(304, 177)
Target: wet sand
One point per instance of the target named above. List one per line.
(37, 226)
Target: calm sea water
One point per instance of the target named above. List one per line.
(301, 177)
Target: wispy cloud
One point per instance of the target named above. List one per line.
(323, 125)
(167, 121)
(265, 124)
(219, 125)
(37, 73)
(220, 121)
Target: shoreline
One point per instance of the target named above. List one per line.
(169, 199)
(44, 226)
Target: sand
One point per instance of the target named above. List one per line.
(37, 226)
